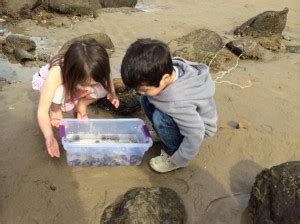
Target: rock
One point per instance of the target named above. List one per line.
(201, 46)
(125, 10)
(198, 40)
(19, 41)
(117, 3)
(25, 12)
(266, 27)
(119, 85)
(13, 7)
(246, 48)
(102, 38)
(129, 101)
(293, 49)
(275, 196)
(146, 205)
(83, 7)
(286, 37)
(2, 41)
(21, 55)
(243, 124)
(42, 56)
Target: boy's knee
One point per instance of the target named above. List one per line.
(161, 119)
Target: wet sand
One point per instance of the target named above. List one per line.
(215, 187)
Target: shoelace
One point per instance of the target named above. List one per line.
(165, 156)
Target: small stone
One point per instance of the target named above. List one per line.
(2, 20)
(52, 188)
(243, 124)
(1, 32)
(293, 49)
(2, 40)
(286, 37)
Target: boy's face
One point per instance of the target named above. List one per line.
(149, 90)
(152, 90)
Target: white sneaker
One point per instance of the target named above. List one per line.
(162, 163)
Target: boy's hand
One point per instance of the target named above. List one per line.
(113, 98)
(52, 147)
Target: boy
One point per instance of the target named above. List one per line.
(177, 97)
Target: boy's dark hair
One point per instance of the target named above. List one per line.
(145, 63)
(84, 60)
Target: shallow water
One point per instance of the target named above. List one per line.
(147, 7)
(102, 138)
(15, 72)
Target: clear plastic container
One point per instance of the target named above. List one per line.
(104, 142)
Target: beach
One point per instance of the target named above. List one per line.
(216, 186)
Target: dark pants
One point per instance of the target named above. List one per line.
(164, 126)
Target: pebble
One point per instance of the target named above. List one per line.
(243, 124)
(286, 37)
(52, 188)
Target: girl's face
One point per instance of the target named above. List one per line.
(87, 86)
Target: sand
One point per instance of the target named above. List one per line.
(215, 187)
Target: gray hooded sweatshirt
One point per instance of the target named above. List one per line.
(189, 101)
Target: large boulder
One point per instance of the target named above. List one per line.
(21, 55)
(246, 48)
(13, 7)
(101, 38)
(117, 3)
(19, 41)
(203, 46)
(275, 196)
(266, 28)
(77, 7)
(146, 205)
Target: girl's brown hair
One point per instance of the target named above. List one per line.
(84, 60)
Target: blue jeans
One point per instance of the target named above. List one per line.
(164, 126)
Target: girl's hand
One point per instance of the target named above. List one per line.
(113, 98)
(52, 147)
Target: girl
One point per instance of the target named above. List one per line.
(72, 81)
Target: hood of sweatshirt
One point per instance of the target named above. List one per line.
(193, 83)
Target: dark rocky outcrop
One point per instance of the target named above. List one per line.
(203, 46)
(82, 7)
(129, 101)
(22, 55)
(146, 205)
(101, 38)
(19, 47)
(117, 3)
(14, 8)
(275, 196)
(266, 28)
(246, 48)
(19, 41)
